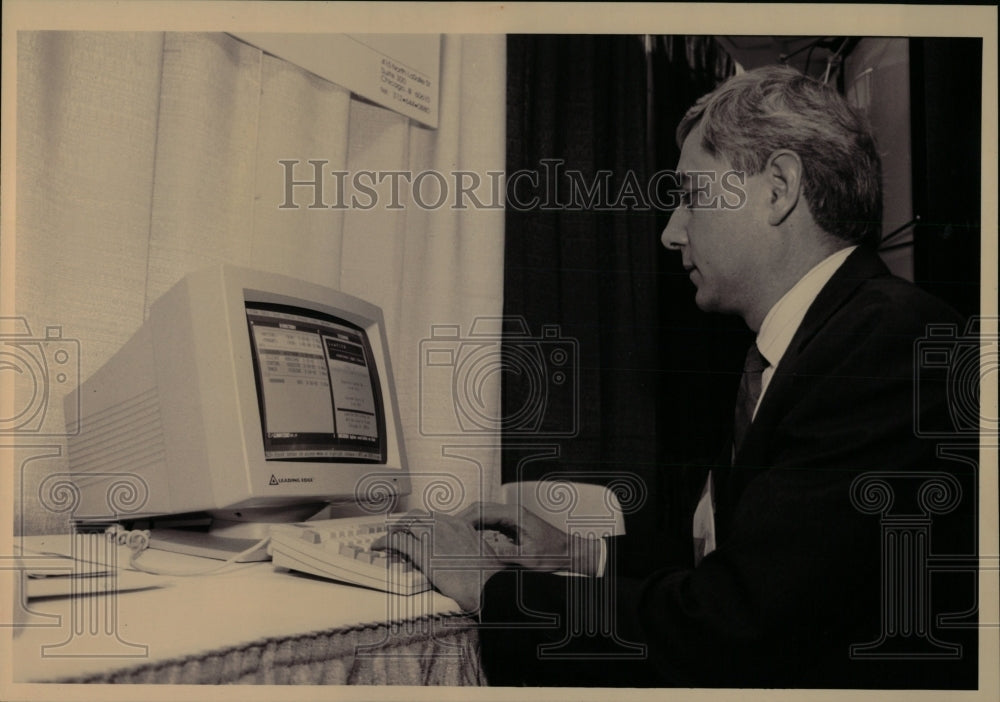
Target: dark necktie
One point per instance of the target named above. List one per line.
(748, 394)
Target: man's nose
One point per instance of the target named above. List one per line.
(675, 233)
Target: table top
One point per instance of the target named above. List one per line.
(167, 618)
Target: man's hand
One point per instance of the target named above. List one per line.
(457, 560)
(540, 545)
(448, 550)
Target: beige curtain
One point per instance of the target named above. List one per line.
(142, 157)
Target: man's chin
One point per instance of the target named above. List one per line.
(704, 301)
(708, 303)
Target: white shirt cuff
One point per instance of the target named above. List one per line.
(602, 559)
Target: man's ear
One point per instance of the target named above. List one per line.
(784, 182)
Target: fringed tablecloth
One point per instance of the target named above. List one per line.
(437, 650)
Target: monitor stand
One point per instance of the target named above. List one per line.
(229, 533)
(207, 545)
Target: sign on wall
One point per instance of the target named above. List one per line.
(398, 71)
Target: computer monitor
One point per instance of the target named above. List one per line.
(245, 397)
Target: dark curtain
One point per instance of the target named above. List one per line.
(946, 97)
(603, 110)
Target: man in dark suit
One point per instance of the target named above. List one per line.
(783, 573)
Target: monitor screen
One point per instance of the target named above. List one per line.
(317, 386)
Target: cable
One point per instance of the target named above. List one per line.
(783, 58)
(138, 541)
(809, 56)
(899, 230)
(835, 58)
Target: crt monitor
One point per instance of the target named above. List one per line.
(244, 398)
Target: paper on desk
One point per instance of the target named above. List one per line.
(122, 581)
(53, 571)
(45, 565)
(91, 549)
(46, 556)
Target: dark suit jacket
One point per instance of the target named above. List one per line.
(796, 578)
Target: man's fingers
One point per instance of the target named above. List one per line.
(405, 524)
(404, 542)
(472, 511)
(409, 545)
(491, 514)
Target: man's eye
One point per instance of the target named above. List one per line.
(695, 198)
(692, 197)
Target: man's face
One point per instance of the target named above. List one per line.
(716, 229)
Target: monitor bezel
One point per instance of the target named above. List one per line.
(243, 477)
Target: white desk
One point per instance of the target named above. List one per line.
(249, 624)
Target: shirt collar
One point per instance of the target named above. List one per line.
(785, 317)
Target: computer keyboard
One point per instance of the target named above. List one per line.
(339, 549)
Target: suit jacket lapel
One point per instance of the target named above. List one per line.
(860, 266)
